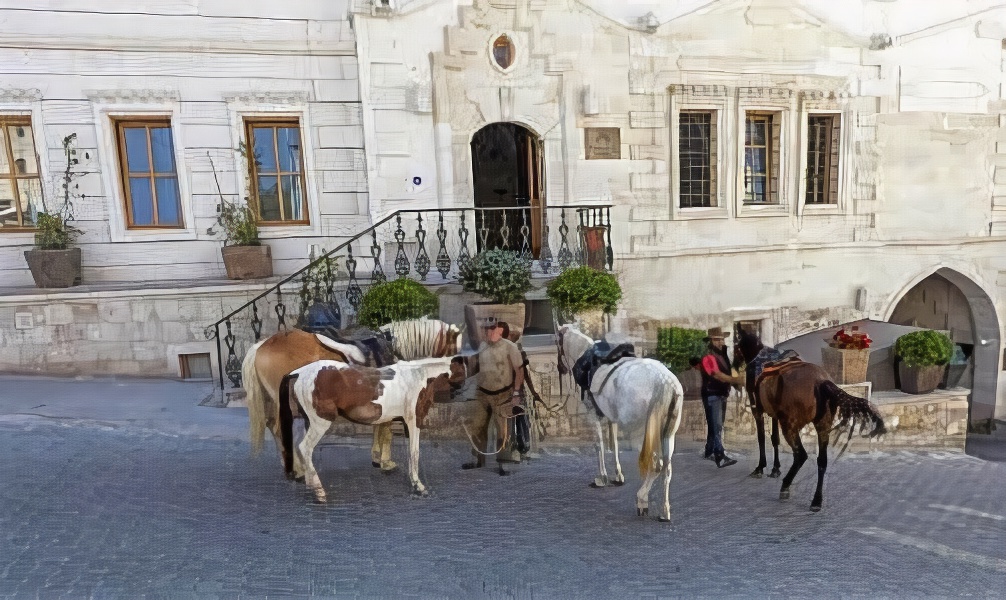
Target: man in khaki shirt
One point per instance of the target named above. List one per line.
(500, 380)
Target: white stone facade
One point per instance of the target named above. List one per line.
(917, 91)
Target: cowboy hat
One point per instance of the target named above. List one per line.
(715, 332)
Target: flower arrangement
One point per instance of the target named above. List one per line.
(850, 340)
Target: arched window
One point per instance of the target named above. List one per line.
(503, 52)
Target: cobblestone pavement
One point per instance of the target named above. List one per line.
(97, 511)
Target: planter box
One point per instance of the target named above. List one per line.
(54, 268)
(247, 262)
(920, 380)
(475, 314)
(845, 366)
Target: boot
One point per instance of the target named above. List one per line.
(723, 460)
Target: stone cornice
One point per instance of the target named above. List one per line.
(132, 96)
(19, 95)
(268, 97)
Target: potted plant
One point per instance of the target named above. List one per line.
(398, 300)
(923, 357)
(53, 262)
(502, 276)
(847, 356)
(585, 294)
(245, 256)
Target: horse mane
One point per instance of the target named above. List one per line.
(421, 338)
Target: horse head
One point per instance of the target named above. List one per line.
(747, 345)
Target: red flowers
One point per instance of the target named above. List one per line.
(853, 340)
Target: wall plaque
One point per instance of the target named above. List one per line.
(603, 143)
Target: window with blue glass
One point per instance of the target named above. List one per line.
(149, 177)
(277, 174)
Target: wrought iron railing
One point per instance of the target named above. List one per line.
(427, 245)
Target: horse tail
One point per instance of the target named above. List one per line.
(255, 398)
(663, 421)
(849, 407)
(286, 421)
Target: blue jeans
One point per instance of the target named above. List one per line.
(716, 412)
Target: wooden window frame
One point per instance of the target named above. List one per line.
(120, 125)
(11, 175)
(773, 120)
(275, 122)
(830, 157)
(712, 162)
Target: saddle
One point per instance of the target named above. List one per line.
(374, 345)
(602, 353)
(778, 367)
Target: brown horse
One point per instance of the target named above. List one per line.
(747, 350)
(796, 393)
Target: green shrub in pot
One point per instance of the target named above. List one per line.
(502, 276)
(924, 348)
(399, 300)
(584, 288)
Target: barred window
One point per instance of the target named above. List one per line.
(822, 158)
(697, 158)
(761, 158)
(20, 185)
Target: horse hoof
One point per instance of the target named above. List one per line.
(756, 474)
(389, 469)
(814, 508)
(664, 519)
(594, 485)
(784, 495)
(299, 479)
(421, 493)
(320, 500)
(375, 464)
(642, 512)
(775, 473)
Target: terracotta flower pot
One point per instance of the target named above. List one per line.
(247, 262)
(54, 268)
(475, 315)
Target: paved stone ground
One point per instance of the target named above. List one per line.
(98, 510)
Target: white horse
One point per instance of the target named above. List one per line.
(327, 389)
(629, 393)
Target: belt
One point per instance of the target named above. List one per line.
(495, 392)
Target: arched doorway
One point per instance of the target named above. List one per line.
(507, 177)
(950, 301)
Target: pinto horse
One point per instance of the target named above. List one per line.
(794, 394)
(629, 393)
(327, 389)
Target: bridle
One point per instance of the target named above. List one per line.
(561, 359)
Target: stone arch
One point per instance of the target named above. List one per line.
(985, 330)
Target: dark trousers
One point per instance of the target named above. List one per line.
(716, 413)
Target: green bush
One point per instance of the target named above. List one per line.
(675, 345)
(584, 288)
(503, 276)
(398, 300)
(924, 348)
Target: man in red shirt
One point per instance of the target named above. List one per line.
(716, 382)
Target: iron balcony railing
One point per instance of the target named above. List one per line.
(427, 245)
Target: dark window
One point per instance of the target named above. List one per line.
(761, 158)
(822, 159)
(697, 158)
(503, 52)
(277, 175)
(147, 167)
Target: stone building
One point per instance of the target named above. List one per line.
(788, 164)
